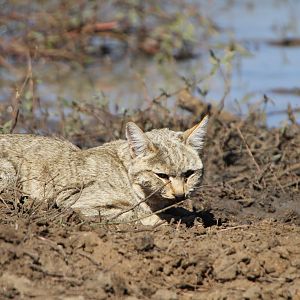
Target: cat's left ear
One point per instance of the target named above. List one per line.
(195, 135)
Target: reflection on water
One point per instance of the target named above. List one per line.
(130, 82)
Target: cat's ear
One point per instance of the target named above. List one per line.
(195, 135)
(139, 144)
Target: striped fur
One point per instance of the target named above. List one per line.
(108, 179)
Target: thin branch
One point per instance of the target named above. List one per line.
(248, 149)
(139, 203)
(19, 93)
(141, 218)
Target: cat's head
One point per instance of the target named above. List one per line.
(166, 161)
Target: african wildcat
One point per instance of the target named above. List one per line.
(108, 179)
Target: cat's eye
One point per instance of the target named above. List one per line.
(188, 173)
(162, 175)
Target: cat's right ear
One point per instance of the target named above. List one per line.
(139, 144)
(195, 135)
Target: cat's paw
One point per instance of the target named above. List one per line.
(151, 220)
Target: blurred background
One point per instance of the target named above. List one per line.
(62, 59)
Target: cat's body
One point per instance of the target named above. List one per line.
(109, 179)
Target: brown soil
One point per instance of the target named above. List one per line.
(240, 240)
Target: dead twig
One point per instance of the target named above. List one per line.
(19, 93)
(53, 217)
(139, 203)
(100, 27)
(143, 229)
(251, 155)
(175, 238)
(142, 217)
(4, 202)
(112, 266)
(54, 246)
(292, 168)
(234, 227)
(295, 182)
(91, 259)
(54, 274)
(45, 272)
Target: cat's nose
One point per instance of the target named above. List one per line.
(180, 197)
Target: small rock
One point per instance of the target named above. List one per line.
(144, 243)
(201, 230)
(283, 252)
(273, 242)
(167, 269)
(253, 293)
(201, 269)
(85, 240)
(251, 270)
(20, 286)
(71, 298)
(295, 262)
(190, 261)
(230, 251)
(164, 294)
(272, 263)
(225, 269)
(107, 283)
(246, 202)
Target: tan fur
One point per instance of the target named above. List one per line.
(108, 179)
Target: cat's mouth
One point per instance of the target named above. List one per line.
(175, 199)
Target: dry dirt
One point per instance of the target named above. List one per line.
(239, 240)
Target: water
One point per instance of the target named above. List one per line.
(131, 82)
(254, 23)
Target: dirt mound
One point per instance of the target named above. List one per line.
(258, 261)
(239, 240)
